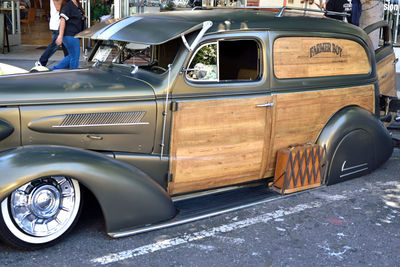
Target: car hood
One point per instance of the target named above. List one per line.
(72, 86)
(144, 29)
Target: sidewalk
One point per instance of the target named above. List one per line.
(25, 56)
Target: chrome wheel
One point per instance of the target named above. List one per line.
(42, 210)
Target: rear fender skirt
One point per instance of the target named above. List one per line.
(356, 142)
(127, 196)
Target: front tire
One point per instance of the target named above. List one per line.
(41, 212)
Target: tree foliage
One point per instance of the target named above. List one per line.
(206, 55)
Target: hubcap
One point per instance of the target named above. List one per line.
(45, 201)
(43, 206)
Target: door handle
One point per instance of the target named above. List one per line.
(268, 104)
(94, 137)
(395, 61)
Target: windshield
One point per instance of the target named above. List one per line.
(155, 58)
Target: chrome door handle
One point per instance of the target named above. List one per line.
(268, 104)
(395, 61)
(94, 137)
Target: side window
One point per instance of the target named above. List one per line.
(226, 60)
(204, 64)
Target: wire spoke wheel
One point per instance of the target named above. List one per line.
(40, 212)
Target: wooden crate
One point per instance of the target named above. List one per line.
(299, 168)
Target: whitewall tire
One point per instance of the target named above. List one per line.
(40, 212)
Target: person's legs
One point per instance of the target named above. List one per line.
(65, 51)
(66, 62)
(72, 60)
(50, 50)
(74, 52)
(63, 64)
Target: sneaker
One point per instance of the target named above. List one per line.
(37, 63)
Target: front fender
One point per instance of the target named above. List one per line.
(127, 196)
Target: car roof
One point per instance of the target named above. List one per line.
(157, 28)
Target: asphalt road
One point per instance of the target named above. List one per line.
(355, 223)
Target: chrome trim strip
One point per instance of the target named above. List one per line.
(99, 125)
(347, 174)
(353, 167)
(200, 217)
(165, 113)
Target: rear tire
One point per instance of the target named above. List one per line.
(40, 212)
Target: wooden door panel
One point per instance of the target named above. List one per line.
(300, 117)
(218, 142)
(387, 76)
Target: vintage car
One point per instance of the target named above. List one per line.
(182, 116)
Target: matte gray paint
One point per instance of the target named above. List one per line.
(37, 127)
(127, 196)
(353, 157)
(11, 115)
(6, 129)
(152, 165)
(351, 120)
(223, 21)
(162, 30)
(72, 86)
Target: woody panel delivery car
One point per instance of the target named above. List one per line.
(220, 106)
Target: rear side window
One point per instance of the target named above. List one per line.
(306, 57)
(233, 60)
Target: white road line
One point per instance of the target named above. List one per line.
(187, 238)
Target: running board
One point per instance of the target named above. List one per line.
(207, 206)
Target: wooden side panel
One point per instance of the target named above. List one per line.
(387, 76)
(300, 57)
(300, 117)
(217, 142)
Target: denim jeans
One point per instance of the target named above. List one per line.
(72, 60)
(51, 49)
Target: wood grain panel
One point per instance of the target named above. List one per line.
(299, 57)
(218, 142)
(386, 76)
(300, 117)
